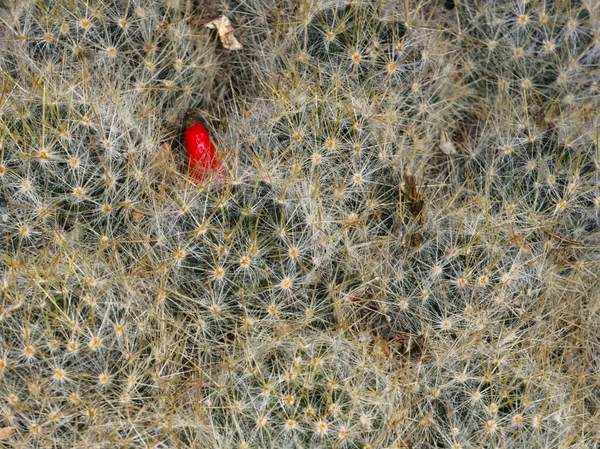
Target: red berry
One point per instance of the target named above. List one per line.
(202, 154)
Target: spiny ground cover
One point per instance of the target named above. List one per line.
(402, 251)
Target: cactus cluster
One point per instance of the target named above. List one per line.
(403, 252)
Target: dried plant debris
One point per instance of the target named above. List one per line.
(6, 433)
(225, 30)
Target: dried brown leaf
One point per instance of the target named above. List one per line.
(225, 30)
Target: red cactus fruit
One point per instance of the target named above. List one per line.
(202, 154)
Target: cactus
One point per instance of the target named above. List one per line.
(403, 252)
